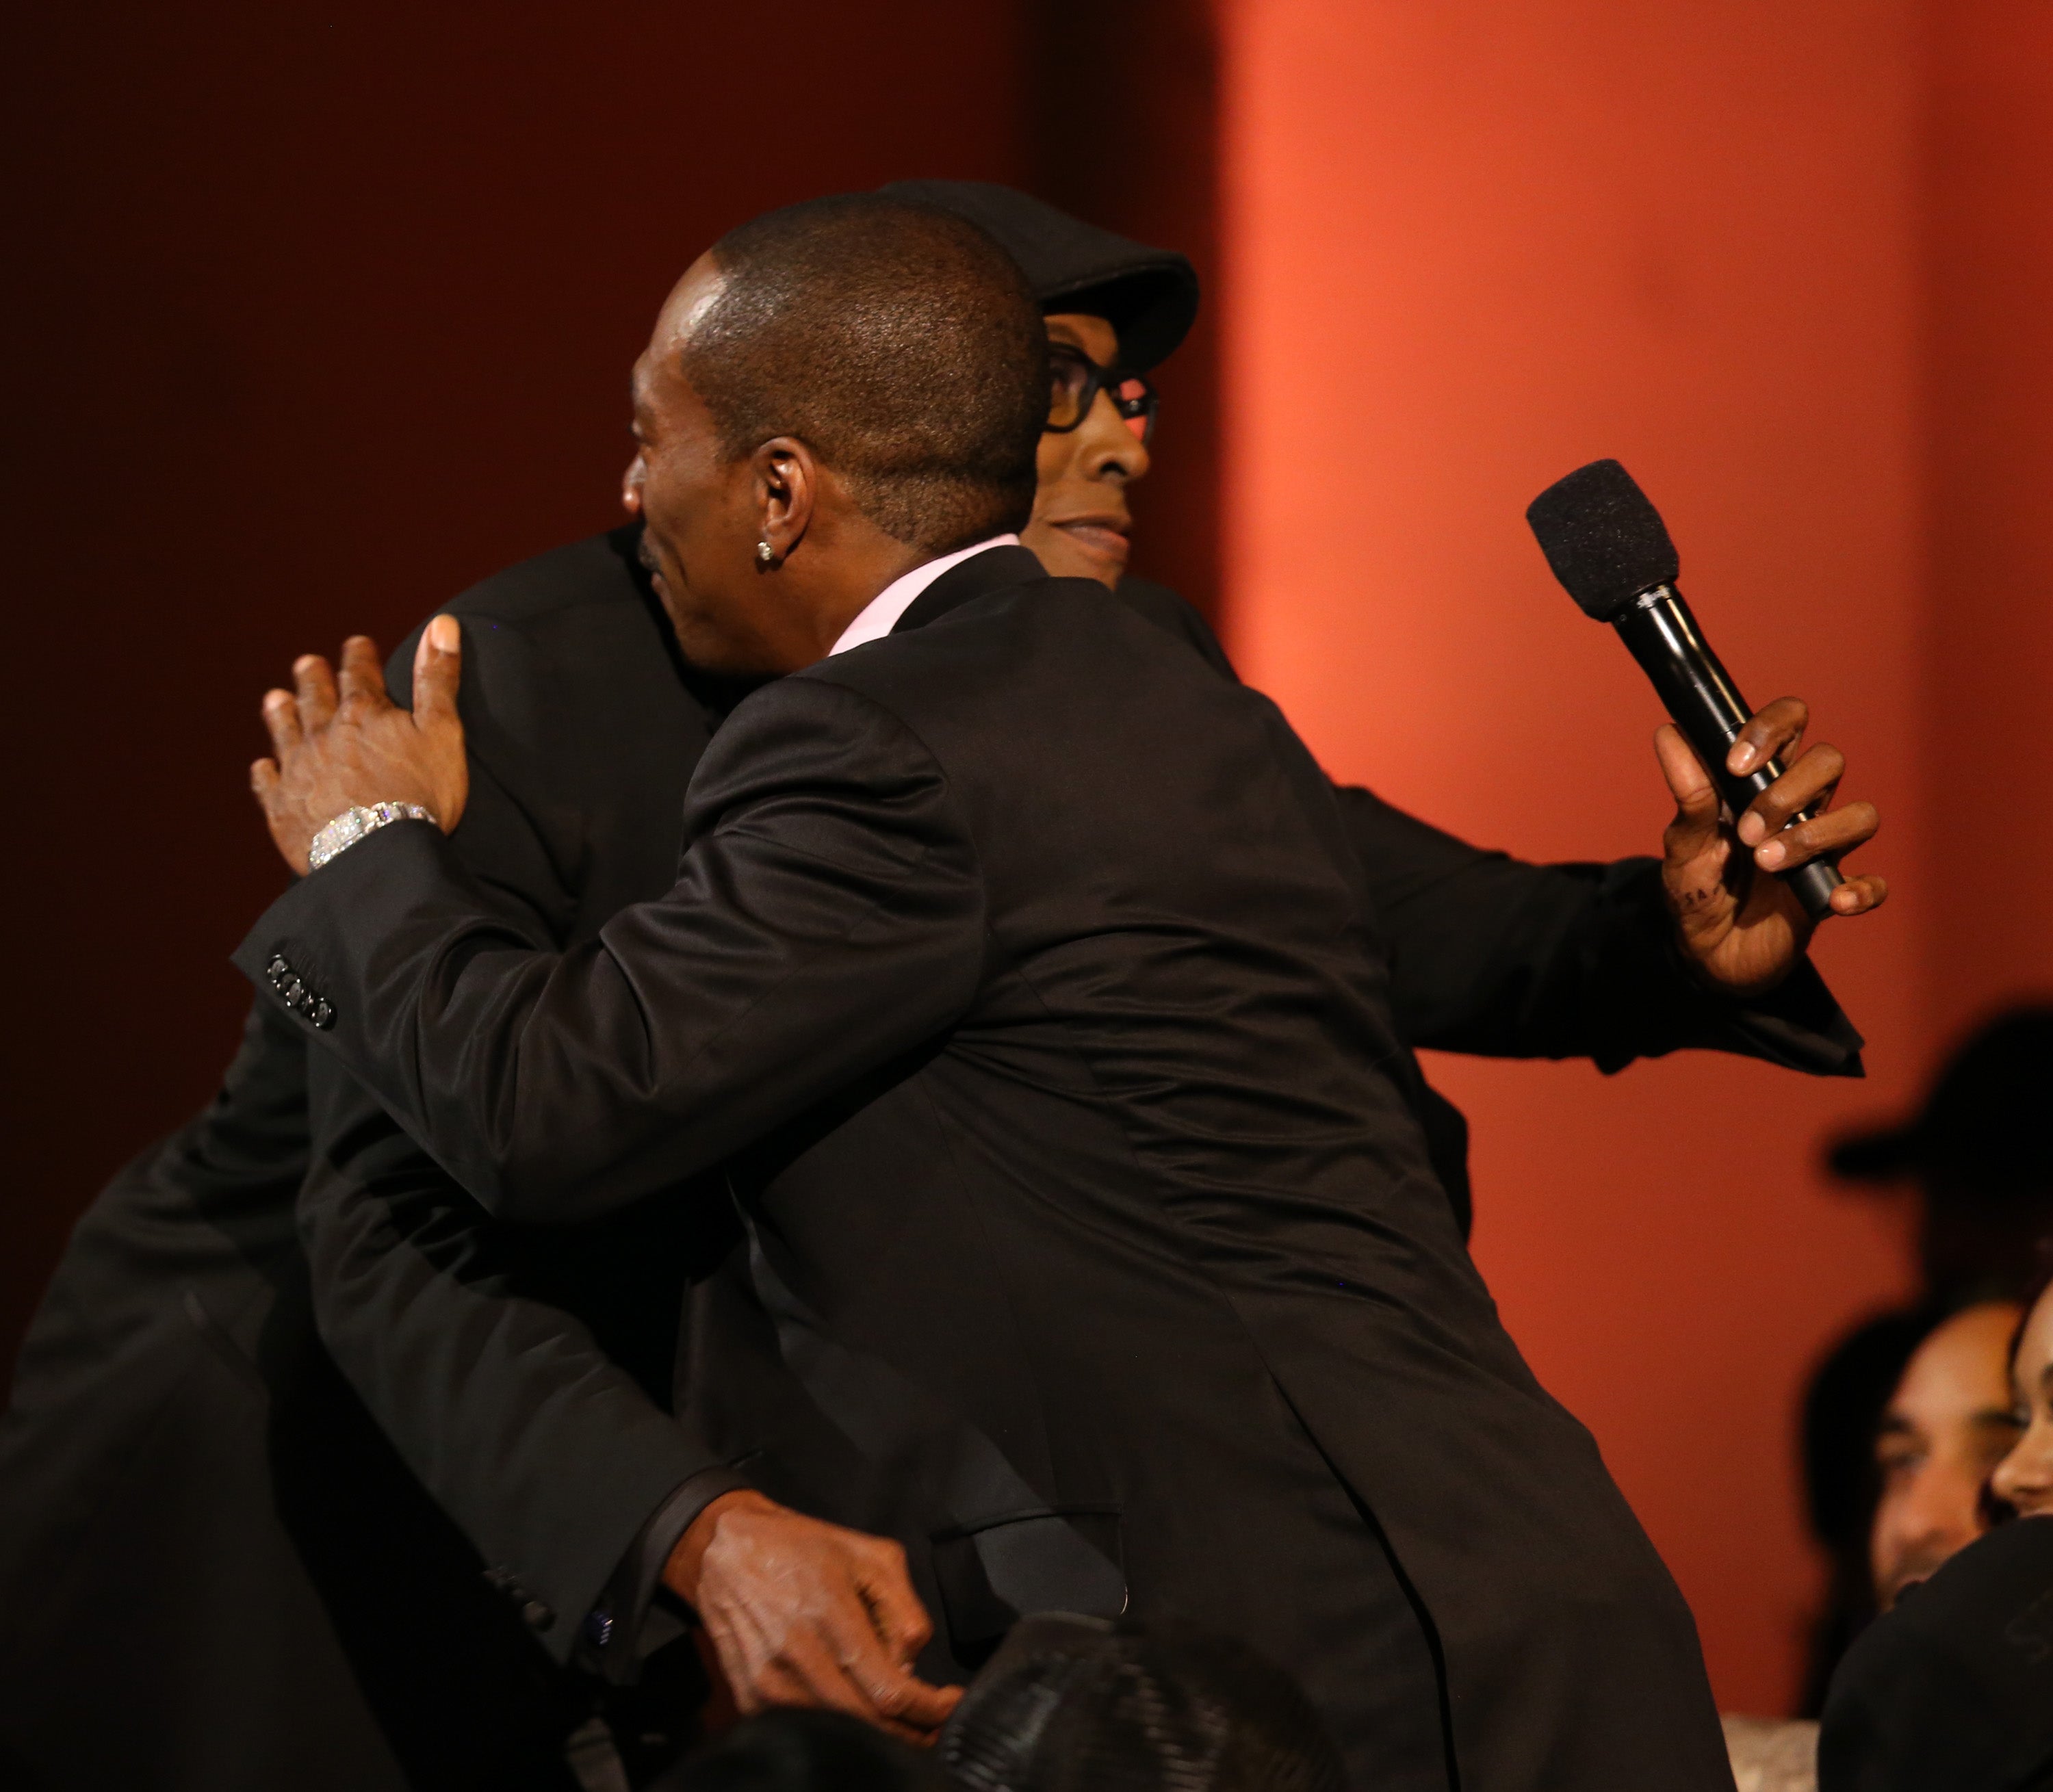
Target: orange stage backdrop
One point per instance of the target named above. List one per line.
(1989, 414)
(1470, 246)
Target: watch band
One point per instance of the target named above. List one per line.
(352, 824)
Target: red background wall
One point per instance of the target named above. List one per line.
(313, 320)
(1988, 445)
(1791, 265)
(317, 317)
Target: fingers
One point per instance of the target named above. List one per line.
(1857, 895)
(895, 1610)
(1839, 831)
(821, 1663)
(313, 690)
(263, 782)
(362, 679)
(888, 1692)
(1811, 779)
(1767, 734)
(807, 1670)
(281, 721)
(803, 1612)
(437, 672)
(916, 1706)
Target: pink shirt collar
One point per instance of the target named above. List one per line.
(879, 616)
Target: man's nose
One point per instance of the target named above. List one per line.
(1941, 1509)
(1113, 450)
(630, 487)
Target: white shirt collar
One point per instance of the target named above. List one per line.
(879, 616)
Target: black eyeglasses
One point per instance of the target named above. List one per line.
(1079, 379)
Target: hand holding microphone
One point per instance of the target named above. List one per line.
(1751, 859)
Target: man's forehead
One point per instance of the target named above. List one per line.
(657, 367)
(1962, 1370)
(690, 300)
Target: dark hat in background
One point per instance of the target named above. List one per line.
(1987, 1122)
(1149, 296)
(1077, 1704)
(1953, 1688)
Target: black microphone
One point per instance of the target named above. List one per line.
(1608, 546)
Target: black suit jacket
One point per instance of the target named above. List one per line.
(203, 1531)
(1026, 987)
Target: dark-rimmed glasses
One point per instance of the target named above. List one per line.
(1079, 380)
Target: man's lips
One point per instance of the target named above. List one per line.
(1101, 534)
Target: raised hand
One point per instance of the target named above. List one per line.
(805, 1613)
(342, 742)
(1740, 926)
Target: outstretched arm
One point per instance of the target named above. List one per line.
(546, 1436)
(524, 1376)
(1701, 946)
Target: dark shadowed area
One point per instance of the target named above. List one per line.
(314, 319)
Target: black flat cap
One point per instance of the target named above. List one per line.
(1953, 1688)
(1149, 296)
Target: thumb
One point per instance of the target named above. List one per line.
(895, 1610)
(1697, 802)
(437, 671)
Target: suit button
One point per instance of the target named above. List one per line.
(538, 1616)
(323, 1016)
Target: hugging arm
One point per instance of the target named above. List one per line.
(524, 1374)
(828, 916)
(550, 1444)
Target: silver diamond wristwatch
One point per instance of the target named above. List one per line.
(352, 824)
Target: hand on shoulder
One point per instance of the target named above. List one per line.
(342, 743)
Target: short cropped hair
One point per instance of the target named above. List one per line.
(899, 344)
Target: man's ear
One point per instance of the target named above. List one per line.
(787, 491)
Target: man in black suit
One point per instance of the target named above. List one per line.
(184, 1476)
(1024, 987)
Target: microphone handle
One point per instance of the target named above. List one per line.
(1703, 702)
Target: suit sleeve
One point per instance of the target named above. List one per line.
(828, 917)
(549, 1444)
(546, 1448)
(1492, 955)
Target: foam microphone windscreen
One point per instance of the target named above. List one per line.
(1605, 541)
